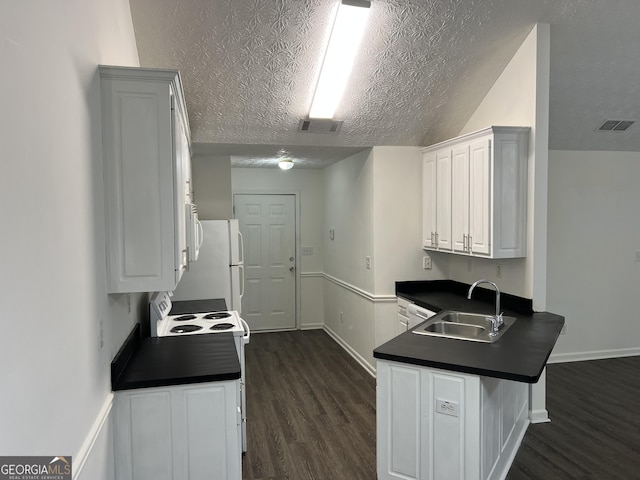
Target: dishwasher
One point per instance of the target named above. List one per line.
(417, 315)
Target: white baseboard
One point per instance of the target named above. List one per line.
(80, 459)
(593, 355)
(312, 326)
(349, 349)
(539, 416)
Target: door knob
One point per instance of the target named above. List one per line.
(291, 259)
(291, 269)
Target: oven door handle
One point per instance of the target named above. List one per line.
(247, 331)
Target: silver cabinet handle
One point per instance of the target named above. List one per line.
(469, 243)
(464, 242)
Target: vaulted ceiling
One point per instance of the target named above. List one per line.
(249, 68)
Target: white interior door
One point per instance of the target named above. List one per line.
(267, 223)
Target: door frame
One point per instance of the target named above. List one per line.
(296, 228)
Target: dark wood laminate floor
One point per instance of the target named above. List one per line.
(311, 415)
(594, 431)
(310, 410)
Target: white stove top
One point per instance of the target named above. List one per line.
(198, 323)
(165, 325)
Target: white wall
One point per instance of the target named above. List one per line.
(519, 97)
(397, 220)
(55, 379)
(212, 186)
(308, 184)
(348, 198)
(594, 234)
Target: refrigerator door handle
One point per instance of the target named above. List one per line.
(241, 269)
(241, 251)
(200, 233)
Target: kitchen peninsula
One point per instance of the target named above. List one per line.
(457, 409)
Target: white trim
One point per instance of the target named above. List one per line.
(593, 355)
(363, 293)
(312, 326)
(358, 358)
(80, 458)
(311, 274)
(539, 416)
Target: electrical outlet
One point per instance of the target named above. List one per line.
(426, 262)
(341, 318)
(498, 271)
(637, 256)
(367, 262)
(447, 408)
(332, 234)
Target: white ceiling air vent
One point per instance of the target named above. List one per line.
(319, 125)
(615, 125)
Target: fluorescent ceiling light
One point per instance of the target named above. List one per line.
(346, 35)
(286, 164)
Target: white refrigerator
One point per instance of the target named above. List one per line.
(219, 270)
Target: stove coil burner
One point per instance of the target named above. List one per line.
(185, 329)
(184, 318)
(217, 315)
(222, 326)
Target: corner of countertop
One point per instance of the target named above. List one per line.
(124, 355)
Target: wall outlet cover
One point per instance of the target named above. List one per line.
(447, 408)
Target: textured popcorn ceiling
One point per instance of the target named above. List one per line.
(249, 68)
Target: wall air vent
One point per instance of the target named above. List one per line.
(319, 125)
(615, 125)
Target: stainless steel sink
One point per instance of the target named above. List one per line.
(474, 327)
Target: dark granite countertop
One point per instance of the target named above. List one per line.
(520, 354)
(163, 361)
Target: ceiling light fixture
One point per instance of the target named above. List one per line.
(286, 164)
(346, 34)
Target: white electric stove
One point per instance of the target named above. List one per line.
(163, 324)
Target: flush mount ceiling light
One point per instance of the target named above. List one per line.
(285, 164)
(346, 34)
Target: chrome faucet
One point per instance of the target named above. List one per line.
(496, 322)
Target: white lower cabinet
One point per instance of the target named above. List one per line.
(183, 432)
(440, 425)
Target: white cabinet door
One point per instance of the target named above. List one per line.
(143, 123)
(443, 218)
(480, 183)
(460, 198)
(429, 200)
(184, 432)
(401, 448)
(436, 200)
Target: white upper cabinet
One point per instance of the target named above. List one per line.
(486, 213)
(146, 157)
